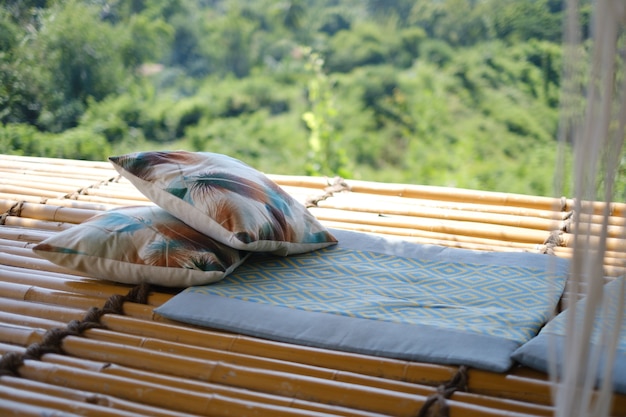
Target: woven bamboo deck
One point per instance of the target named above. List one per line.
(130, 361)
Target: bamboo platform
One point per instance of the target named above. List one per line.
(113, 356)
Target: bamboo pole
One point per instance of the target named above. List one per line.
(393, 369)
(75, 284)
(364, 199)
(65, 173)
(41, 186)
(36, 224)
(52, 180)
(34, 263)
(11, 408)
(496, 232)
(29, 321)
(38, 160)
(612, 244)
(61, 167)
(52, 273)
(612, 220)
(199, 387)
(45, 296)
(95, 199)
(115, 195)
(269, 382)
(78, 347)
(120, 406)
(455, 194)
(406, 233)
(300, 181)
(6, 243)
(613, 231)
(61, 404)
(188, 386)
(22, 197)
(47, 212)
(29, 191)
(202, 338)
(62, 201)
(23, 235)
(58, 314)
(95, 288)
(428, 208)
(433, 238)
(257, 362)
(598, 207)
(83, 205)
(155, 395)
(444, 214)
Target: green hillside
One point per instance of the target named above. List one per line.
(460, 93)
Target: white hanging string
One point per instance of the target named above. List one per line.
(597, 136)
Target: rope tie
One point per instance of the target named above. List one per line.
(554, 240)
(444, 391)
(77, 193)
(15, 210)
(53, 339)
(338, 185)
(85, 190)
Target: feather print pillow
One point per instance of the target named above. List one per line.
(141, 244)
(226, 199)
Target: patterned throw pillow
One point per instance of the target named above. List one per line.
(141, 244)
(226, 199)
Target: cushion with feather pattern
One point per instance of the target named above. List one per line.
(226, 199)
(141, 244)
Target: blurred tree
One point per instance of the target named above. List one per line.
(333, 22)
(230, 42)
(18, 103)
(325, 155)
(365, 44)
(25, 12)
(9, 32)
(522, 20)
(294, 11)
(77, 58)
(411, 90)
(147, 40)
(457, 22)
(385, 9)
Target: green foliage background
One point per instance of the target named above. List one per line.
(460, 93)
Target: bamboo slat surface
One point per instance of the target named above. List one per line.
(136, 363)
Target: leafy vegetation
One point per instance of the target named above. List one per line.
(458, 93)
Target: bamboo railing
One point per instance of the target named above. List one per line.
(135, 362)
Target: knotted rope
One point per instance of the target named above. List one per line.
(444, 391)
(338, 185)
(14, 210)
(53, 339)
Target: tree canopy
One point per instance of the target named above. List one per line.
(458, 93)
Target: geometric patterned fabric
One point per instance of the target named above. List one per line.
(510, 302)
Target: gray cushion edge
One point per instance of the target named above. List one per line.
(394, 340)
(535, 353)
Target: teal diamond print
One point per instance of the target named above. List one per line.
(503, 301)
